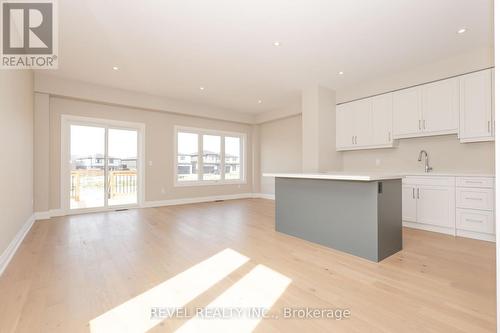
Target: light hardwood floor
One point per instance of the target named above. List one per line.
(71, 270)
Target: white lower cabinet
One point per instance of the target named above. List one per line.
(430, 207)
(475, 207)
(475, 221)
(409, 208)
(461, 206)
(436, 206)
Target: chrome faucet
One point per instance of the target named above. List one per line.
(427, 167)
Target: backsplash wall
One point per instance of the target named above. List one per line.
(446, 153)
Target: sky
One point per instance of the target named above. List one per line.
(188, 143)
(89, 140)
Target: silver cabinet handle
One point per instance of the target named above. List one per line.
(420, 124)
(356, 139)
(476, 199)
(473, 220)
(489, 126)
(413, 193)
(389, 136)
(418, 193)
(423, 123)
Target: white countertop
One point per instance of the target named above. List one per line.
(371, 176)
(449, 174)
(356, 176)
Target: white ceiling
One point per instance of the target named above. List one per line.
(171, 48)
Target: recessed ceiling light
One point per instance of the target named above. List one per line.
(341, 73)
(259, 101)
(115, 68)
(461, 31)
(276, 43)
(202, 88)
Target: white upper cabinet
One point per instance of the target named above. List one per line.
(461, 105)
(345, 126)
(430, 109)
(407, 112)
(440, 106)
(476, 111)
(363, 122)
(382, 120)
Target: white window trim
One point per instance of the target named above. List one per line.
(222, 134)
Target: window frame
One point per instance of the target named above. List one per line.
(223, 134)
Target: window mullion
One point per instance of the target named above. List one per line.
(200, 156)
(222, 157)
(242, 158)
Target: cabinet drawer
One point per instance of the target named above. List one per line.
(473, 220)
(482, 182)
(429, 180)
(475, 198)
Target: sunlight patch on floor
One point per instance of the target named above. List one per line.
(259, 289)
(135, 314)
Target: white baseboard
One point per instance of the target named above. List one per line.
(184, 201)
(171, 202)
(264, 196)
(48, 214)
(9, 252)
(41, 215)
(476, 235)
(427, 227)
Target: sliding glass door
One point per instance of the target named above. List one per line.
(122, 167)
(103, 166)
(88, 148)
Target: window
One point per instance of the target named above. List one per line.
(208, 157)
(232, 165)
(187, 156)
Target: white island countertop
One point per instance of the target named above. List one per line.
(355, 176)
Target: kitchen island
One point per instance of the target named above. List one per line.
(355, 213)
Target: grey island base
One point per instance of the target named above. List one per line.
(360, 215)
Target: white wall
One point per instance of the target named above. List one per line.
(280, 149)
(16, 149)
(159, 149)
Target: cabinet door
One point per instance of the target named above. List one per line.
(363, 122)
(436, 206)
(476, 112)
(409, 203)
(345, 126)
(440, 107)
(382, 119)
(407, 115)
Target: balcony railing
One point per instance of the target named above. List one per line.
(121, 182)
